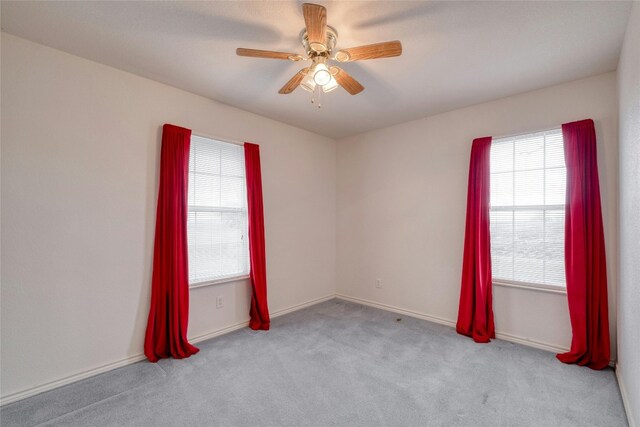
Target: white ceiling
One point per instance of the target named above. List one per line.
(455, 54)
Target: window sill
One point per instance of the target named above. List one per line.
(218, 281)
(532, 287)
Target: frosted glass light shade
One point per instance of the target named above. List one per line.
(321, 75)
(307, 83)
(333, 84)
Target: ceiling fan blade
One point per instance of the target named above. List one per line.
(349, 84)
(292, 84)
(315, 19)
(256, 53)
(371, 51)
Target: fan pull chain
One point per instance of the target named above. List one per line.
(320, 91)
(317, 96)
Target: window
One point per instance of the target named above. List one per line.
(217, 219)
(528, 180)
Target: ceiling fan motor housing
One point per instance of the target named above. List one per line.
(317, 49)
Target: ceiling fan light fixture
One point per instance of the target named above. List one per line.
(307, 82)
(332, 85)
(321, 74)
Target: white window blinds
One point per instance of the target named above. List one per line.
(217, 220)
(528, 180)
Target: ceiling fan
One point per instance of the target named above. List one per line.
(319, 41)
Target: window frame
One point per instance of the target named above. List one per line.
(542, 287)
(232, 277)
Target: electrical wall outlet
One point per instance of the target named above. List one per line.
(219, 301)
(378, 283)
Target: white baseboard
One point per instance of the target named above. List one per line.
(398, 310)
(32, 391)
(219, 332)
(14, 397)
(625, 398)
(553, 348)
(448, 322)
(297, 307)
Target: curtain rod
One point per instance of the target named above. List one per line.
(527, 133)
(230, 141)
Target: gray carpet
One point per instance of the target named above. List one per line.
(337, 364)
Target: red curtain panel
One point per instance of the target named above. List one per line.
(166, 334)
(259, 312)
(475, 313)
(585, 261)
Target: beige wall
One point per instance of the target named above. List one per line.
(629, 292)
(80, 153)
(402, 201)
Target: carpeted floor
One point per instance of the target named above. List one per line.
(337, 364)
